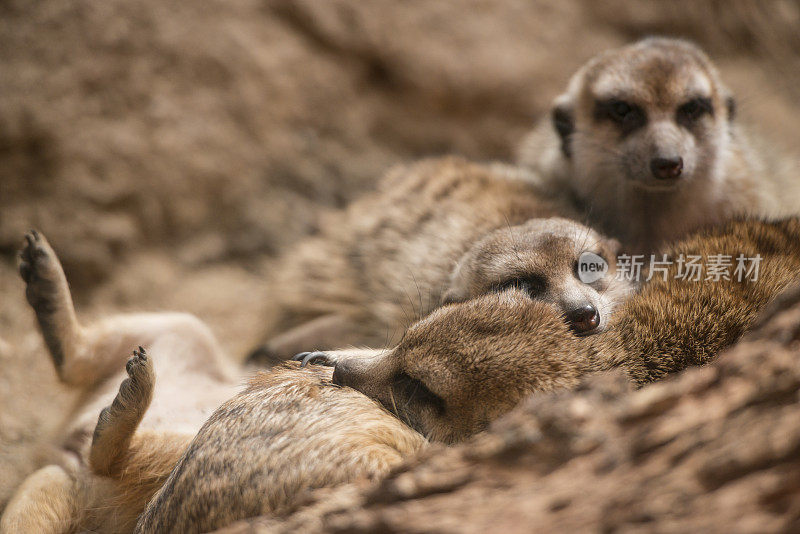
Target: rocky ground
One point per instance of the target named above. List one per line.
(171, 150)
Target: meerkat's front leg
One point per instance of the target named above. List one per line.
(48, 294)
(117, 422)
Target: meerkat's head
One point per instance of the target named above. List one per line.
(653, 114)
(466, 364)
(544, 259)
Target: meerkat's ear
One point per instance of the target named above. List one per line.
(563, 119)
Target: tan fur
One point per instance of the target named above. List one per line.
(134, 447)
(466, 364)
(388, 260)
(289, 432)
(453, 372)
(264, 432)
(603, 166)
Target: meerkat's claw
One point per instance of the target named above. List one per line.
(316, 357)
(138, 358)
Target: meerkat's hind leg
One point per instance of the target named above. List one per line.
(118, 422)
(48, 294)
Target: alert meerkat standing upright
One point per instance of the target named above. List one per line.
(644, 143)
(145, 428)
(419, 241)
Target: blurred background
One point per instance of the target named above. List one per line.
(170, 150)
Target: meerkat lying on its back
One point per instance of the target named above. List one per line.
(390, 258)
(309, 433)
(105, 479)
(466, 364)
(645, 144)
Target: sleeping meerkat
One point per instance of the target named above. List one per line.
(145, 429)
(645, 144)
(466, 364)
(390, 258)
(541, 258)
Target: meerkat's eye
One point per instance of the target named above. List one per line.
(533, 285)
(628, 116)
(620, 110)
(693, 110)
(600, 282)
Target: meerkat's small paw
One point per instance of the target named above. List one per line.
(136, 361)
(38, 267)
(41, 271)
(139, 385)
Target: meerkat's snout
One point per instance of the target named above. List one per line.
(667, 152)
(666, 168)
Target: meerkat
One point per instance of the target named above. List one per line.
(288, 433)
(468, 363)
(390, 258)
(103, 480)
(645, 144)
(453, 372)
(542, 258)
(292, 430)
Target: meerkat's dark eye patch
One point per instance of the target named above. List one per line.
(693, 110)
(408, 390)
(627, 116)
(533, 285)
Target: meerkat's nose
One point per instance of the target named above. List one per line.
(666, 168)
(584, 319)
